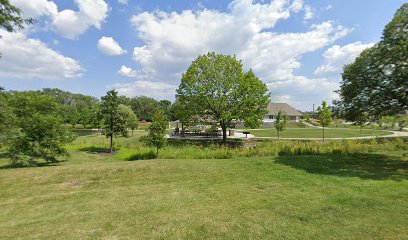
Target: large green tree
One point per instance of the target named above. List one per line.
(145, 107)
(40, 133)
(115, 123)
(182, 112)
(7, 118)
(216, 86)
(376, 82)
(131, 120)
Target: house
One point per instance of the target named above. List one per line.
(273, 109)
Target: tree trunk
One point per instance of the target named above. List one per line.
(157, 151)
(323, 133)
(224, 133)
(111, 143)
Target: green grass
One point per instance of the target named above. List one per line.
(314, 197)
(317, 133)
(105, 196)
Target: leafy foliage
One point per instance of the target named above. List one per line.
(115, 123)
(10, 18)
(215, 86)
(129, 116)
(280, 123)
(324, 115)
(376, 83)
(39, 132)
(157, 131)
(144, 107)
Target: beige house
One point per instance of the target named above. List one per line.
(273, 109)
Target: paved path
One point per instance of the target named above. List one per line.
(394, 134)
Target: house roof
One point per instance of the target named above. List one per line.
(273, 109)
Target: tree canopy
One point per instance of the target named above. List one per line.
(376, 82)
(216, 86)
(38, 130)
(157, 131)
(115, 124)
(145, 107)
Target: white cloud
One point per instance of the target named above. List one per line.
(328, 7)
(36, 8)
(172, 40)
(71, 24)
(297, 5)
(337, 56)
(110, 47)
(123, 1)
(27, 58)
(309, 14)
(302, 92)
(127, 71)
(68, 23)
(157, 90)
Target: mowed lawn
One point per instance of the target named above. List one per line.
(95, 196)
(317, 132)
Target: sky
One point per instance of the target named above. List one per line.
(142, 47)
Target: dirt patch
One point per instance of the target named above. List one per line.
(76, 183)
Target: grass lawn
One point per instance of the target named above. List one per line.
(97, 196)
(317, 133)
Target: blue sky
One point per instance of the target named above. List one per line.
(296, 47)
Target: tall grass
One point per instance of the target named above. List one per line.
(268, 148)
(132, 149)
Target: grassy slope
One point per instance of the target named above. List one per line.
(317, 133)
(318, 197)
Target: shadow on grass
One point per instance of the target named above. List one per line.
(95, 150)
(31, 164)
(364, 166)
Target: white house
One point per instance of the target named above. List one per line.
(273, 109)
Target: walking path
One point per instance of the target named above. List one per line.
(394, 134)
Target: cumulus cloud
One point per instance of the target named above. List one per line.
(309, 14)
(337, 56)
(36, 8)
(173, 39)
(110, 47)
(27, 58)
(157, 90)
(303, 92)
(127, 71)
(68, 23)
